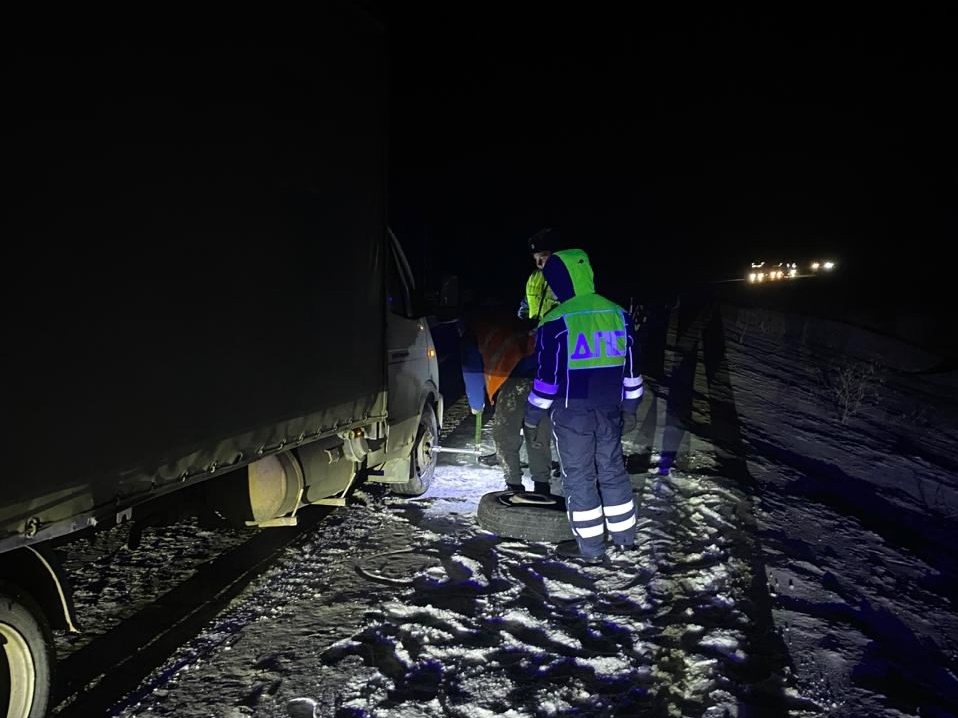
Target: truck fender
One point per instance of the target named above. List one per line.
(37, 570)
(430, 395)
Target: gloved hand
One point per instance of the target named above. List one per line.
(628, 422)
(532, 435)
(523, 312)
(530, 425)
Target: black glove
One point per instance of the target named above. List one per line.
(530, 424)
(532, 435)
(628, 422)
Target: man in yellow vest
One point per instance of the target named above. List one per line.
(539, 299)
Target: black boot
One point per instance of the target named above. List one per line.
(570, 550)
(542, 487)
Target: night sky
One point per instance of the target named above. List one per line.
(662, 141)
(675, 145)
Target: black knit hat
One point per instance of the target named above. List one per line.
(545, 240)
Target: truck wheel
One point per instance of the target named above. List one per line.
(422, 463)
(525, 522)
(26, 657)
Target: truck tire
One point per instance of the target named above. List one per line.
(26, 656)
(528, 523)
(422, 462)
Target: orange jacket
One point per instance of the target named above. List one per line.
(501, 348)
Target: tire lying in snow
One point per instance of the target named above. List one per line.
(26, 656)
(498, 514)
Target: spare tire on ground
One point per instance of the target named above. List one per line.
(525, 516)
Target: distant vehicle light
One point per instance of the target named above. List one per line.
(776, 271)
(829, 265)
(815, 266)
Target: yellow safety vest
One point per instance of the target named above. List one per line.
(539, 295)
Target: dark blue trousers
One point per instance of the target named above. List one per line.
(598, 491)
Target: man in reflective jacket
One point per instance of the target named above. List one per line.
(589, 384)
(539, 299)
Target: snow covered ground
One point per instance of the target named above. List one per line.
(798, 561)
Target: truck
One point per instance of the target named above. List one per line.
(206, 306)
